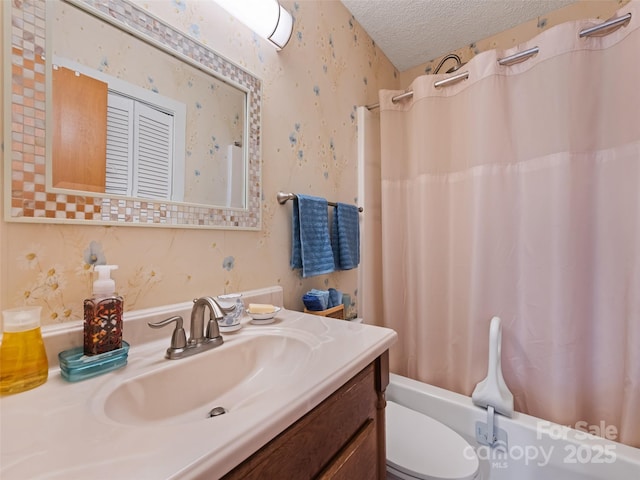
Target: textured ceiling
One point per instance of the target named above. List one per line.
(413, 32)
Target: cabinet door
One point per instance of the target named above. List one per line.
(341, 427)
(79, 131)
(358, 459)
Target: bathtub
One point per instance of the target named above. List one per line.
(536, 449)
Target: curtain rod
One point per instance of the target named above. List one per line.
(601, 30)
(285, 197)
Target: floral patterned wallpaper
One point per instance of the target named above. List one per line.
(310, 93)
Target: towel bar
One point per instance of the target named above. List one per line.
(285, 197)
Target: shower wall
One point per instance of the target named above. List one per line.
(369, 181)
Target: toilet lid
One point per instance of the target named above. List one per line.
(422, 447)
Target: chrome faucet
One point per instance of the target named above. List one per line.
(199, 340)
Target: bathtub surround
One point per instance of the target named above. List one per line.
(537, 449)
(515, 193)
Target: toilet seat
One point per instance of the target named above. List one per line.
(420, 447)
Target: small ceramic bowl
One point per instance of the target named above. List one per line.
(230, 328)
(263, 317)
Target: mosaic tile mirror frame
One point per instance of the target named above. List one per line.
(27, 195)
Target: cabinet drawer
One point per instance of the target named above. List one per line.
(310, 444)
(358, 459)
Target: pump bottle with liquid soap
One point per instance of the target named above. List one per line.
(103, 314)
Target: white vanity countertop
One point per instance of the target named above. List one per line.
(60, 431)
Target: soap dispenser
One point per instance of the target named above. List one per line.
(103, 314)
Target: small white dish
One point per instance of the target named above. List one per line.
(230, 328)
(263, 317)
(264, 321)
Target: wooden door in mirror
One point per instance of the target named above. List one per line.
(79, 131)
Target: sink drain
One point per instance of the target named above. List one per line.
(216, 412)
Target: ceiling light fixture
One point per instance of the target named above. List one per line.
(265, 17)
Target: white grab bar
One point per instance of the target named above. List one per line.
(493, 391)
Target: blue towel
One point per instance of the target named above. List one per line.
(345, 236)
(310, 245)
(316, 300)
(335, 297)
(311, 302)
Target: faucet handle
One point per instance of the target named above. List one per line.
(217, 313)
(213, 329)
(178, 338)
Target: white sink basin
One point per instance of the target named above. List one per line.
(230, 376)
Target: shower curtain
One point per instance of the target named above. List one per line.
(516, 193)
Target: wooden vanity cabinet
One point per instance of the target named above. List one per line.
(342, 438)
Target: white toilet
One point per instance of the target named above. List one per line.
(420, 447)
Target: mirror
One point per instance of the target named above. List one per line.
(213, 104)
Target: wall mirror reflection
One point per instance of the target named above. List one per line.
(143, 126)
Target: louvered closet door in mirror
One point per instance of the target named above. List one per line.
(153, 153)
(141, 159)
